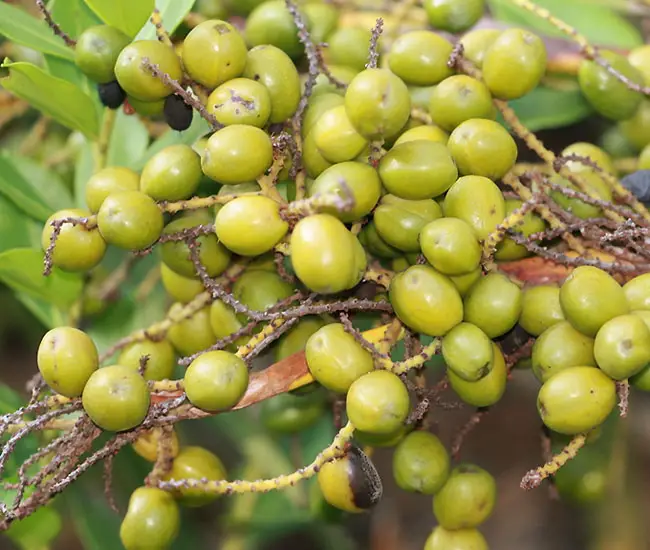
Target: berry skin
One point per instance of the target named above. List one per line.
(476, 43)
(66, 359)
(375, 245)
(196, 463)
(316, 107)
(178, 114)
(514, 64)
(146, 445)
(590, 151)
(482, 147)
(507, 249)
(216, 380)
(459, 98)
(259, 290)
(224, 321)
(152, 520)
(594, 183)
(622, 346)
(192, 334)
(97, 50)
(450, 246)
(336, 139)
(637, 292)
(250, 226)
(295, 340)
(464, 282)
(272, 23)
(322, 20)
(172, 174)
(111, 94)
(540, 309)
(453, 15)
(351, 483)
(116, 398)
(136, 80)
(493, 304)
(488, 390)
(348, 46)
(240, 101)
(290, 414)
(148, 108)
(431, 133)
(576, 400)
(420, 58)
(213, 52)
(425, 300)
(161, 362)
(335, 359)
(458, 539)
(421, 463)
(107, 181)
(77, 248)
(237, 154)
(468, 352)
(467, 499)
(130, 220)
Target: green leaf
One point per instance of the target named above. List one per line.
(20, 27)
(128, 142)
(126, 15)
(83, 169)
(16, 229)
(22, 270)
(48, 314)
(172, 12)
(601, 25)
(73, 16)
(56, 97)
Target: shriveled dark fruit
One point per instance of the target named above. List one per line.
(486, 391)
(152, 520)
(450, 246)
(493, 304)
(111, 94)
(622, 346)
(420, 58)
(178, 114)
(459, 98)
(351, 483)
(468, 352)
(421, 463)
(458, 539)
(97, 50)
(453, 15)
(540, 308)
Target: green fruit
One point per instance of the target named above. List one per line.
(514, 63)
(421, 463)
(453, 15)
(377, 402)
(66, 359)
(325, 256)
(97, 50)
(130, 220)
(348, 46)
(295, 340)
(381, 440)
(172, 174)
(450, 246)
(136, 80)
(237, 154)
(561, 347)
(213, 53)
(116, 398)
(458, 539)
(315, 163)
(635, 129)
(590, 297)
(584, 478)
(489, 389)
(576, 400)
(161, 358)
(493, 304)
(459, 98)
(288, 414)
(540, 309)
(196, 463)
(346, 180)
(476, 43)
(341, 73)
(468, 352)
(335, 359)
(639, 58)
(190, 334)
(478, 201)
(272, 23)
(482, 147)
(425, 300)
(322, 20)
(246, 188)
(274, 69)
(374, 244)
(377, 103)
(336, 138)
(417, 170)
(240, 101)
(509, 250)
(637, 292)
(420, 99)
(400, 221)
(224, 322)
(622, 346)
(431, 133)
(107, 181)
(464, 282)
(259, 290)
(152, 520)
(147, 108)
(641, 380)
(594, 183)
(420, 58)
(591, 152)
(607, 94)
(250, 226)
(317, 106)
(211, 9)
(76, 248)
(467, 499)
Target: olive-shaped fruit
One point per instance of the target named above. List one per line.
(453, 15)
(335, 359)
(595, 185)
(272, 23)
(478, 201)
(641, 380)
(377, 103)
(323, 85)
(130, 220)
(421, 463)
(459, 98)
(317, 106)
(416, 170)
(482, 147)
(584, 478)
(322, 20)
(540, 308)
(147, 108)
(431, 133)
(147, 444)
(467, 499)
(240, 101)
(259, 289)
(514, 63)
(476, 43)
(426, 301)
(637, 292)
(237, 154)
(576, 400)
(177, 114)
(97, 50)
(450, 246)
(160, 362)
(152, 520)
(336, 138)
(196, 463)
(590, 297)
(213, 52)
(224, 322)
(351, 483)
(325, 256)
(382, 440)
(136, 79)
(190, 334)
(420, 58)
(295, 340)
(622, 346)
(375, 245)
(76, 248)
(509, 250)
(635, 130)
(466, 281)
(172, 174)
(287, 413)
(590, 151)
(468, 352)
(66, 358)
(348, 46)
(107, 181)
(116, 398)
(493, 304)
(458, 539)
(488, 390)
(314, 161)
(250, 226)
(216, 380)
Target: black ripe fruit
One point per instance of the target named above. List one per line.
(111, 94)
(178, 114)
